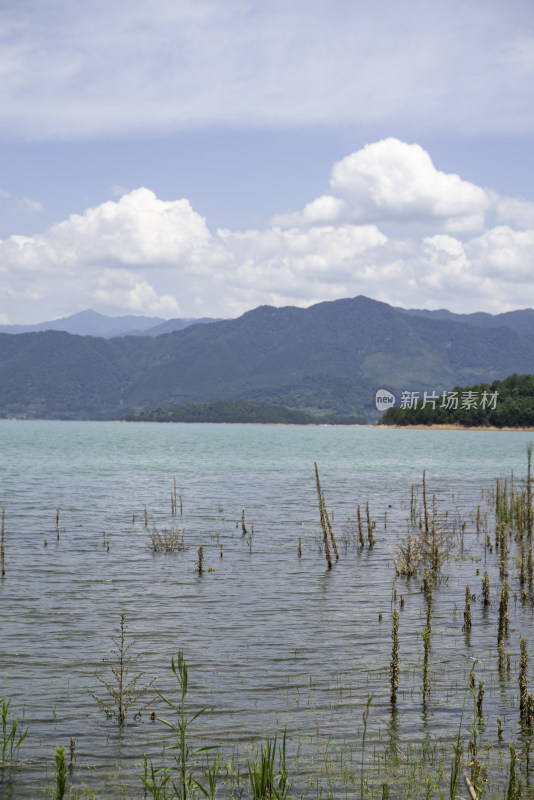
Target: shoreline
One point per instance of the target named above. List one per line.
(454, 427)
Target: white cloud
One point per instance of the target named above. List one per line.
(16, 202)
(136, 230)
(93, 67)
(394, 182)
(146, 255)
(118, 288)
(106, 256)
(515, 211)
(391, 181)
(323, 210)
(505, 254)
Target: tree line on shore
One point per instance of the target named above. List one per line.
(241, 411)
(502, 404)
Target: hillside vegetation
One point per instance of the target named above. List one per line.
(502, 404)
(330, 358)
(240, 411)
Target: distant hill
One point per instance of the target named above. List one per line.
(91, 323)
(329, 358)
(171, 325)
(521, 321)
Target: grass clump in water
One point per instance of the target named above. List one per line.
(265, 784)
(166, 541)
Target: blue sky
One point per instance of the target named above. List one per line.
(202, 158)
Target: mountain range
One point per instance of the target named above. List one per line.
(329, 358)
(91, 323)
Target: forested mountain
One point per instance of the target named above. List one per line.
(331, 357)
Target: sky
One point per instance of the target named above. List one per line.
(191, 158)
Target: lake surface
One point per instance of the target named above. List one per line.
(272, 640)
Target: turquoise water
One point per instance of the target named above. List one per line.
(272, 640)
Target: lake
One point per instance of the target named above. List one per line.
(273, 641)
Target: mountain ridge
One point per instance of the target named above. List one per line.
(92, 323)
(328, 358)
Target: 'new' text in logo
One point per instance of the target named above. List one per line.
(384, 399)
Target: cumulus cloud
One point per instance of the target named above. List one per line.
(151, 256)
(136, 230)
(119, 288)
(505, 254)
(394, 182)
(323, 210)
(93, 67)
(100, 254)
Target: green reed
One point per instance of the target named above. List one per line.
(181, 776)
(12, 735)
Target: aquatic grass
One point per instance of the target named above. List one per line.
(426, 636)
(200, 562)
(124, 692)
(325, 522)
(360, 528)
(467, 610)
(2, 542)
(478, 771)
(211, 773)
(365, 717)
(394, 664)
(454, 779)
(155, 780)
(485, 590)
(168, 540)
(265, 784)
(428, 593)
(514, 790)
(12, 735)
(326, 525)
(504, 619)
(61, 773)
(408, 557)
(436, 535)
(185, 756)
(480, 700)
(523, 679)
(370, 526)
(174, 501)
(72, 758)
